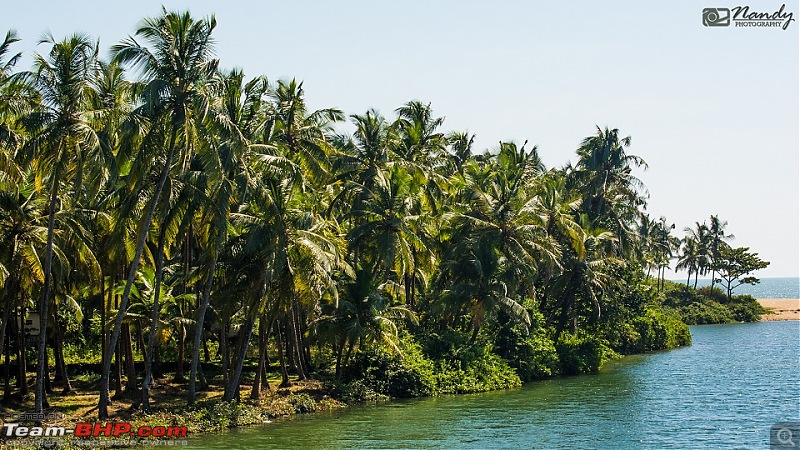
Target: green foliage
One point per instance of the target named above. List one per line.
(709, 305)
(582, 352)
(746, 309)
(532, 354)
(660, 329)
(460, 368)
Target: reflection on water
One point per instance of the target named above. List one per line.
(723, 392)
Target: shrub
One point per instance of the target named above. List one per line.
(582, 353)
(532, 354)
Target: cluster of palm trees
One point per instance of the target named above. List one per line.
(182, 204)
(702, 248)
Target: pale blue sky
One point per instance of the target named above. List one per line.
(714, 111)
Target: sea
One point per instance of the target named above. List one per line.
(786, 287)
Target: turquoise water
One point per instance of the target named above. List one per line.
(788, 287)
(725, 391)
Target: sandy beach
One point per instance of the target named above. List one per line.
(782, 308)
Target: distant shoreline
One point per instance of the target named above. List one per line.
(780, 309)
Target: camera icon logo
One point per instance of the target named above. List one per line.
(716, 17)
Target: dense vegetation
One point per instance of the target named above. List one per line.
(156, 207)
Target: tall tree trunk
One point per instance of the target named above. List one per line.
(7, 370)
(255, 394)
(45, 300)
(61, 366)
(223, 344)
(22, 358)
(282, 358)
(180, 374)
(9, 297)
(246, 332)
(151, 337)
(103, 305)
(141, 238)
(339, 350)
(198, 333)
(695, 278)
(118, 369)
(296, 342)
(130, 366)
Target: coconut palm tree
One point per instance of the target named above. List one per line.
(176, 66)
(716, 239)
(690, 258)
(604, 175)
(238, 120)
(60, 136)
(13, 103)
(586, 276)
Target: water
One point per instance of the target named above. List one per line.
(725, 391)
(788, 287)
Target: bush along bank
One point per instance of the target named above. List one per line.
(710, 305)
(431, 364)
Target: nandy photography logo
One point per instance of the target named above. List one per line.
(743, 16)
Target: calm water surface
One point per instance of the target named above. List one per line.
(722, 392)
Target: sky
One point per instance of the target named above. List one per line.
(713, 110)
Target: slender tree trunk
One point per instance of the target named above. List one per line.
(102, 406)
(22, 358)
(198, 333)
(118, 367)
(180, 374)
(151, 337)
(695, 278)
(339, 350)
(246, 333)
(61, 366)
(130, 366)
(255, 394)
(7, 370)
(45, 300)
(296, 342)
(282, 358)
(688, 278)
(223, 344)
(8, 295)
(103, 305)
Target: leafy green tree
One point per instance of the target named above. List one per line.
(611, 193)
(716, 239)
(735, 264)
(176, 66)
(61, 135)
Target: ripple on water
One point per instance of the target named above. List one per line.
(723, 392)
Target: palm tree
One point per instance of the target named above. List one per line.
(22, 236)
(700, 236)
(586, 276)
(302, 135)
(176, 66)
(367, 313)
(12, 103)
(716, 239)
(472, 279)
(690, 258)
(61, 134)
(611, 193)
(291, 256)
(238, 119)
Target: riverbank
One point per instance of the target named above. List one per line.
(780, 309)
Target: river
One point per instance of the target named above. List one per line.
(725, 391)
